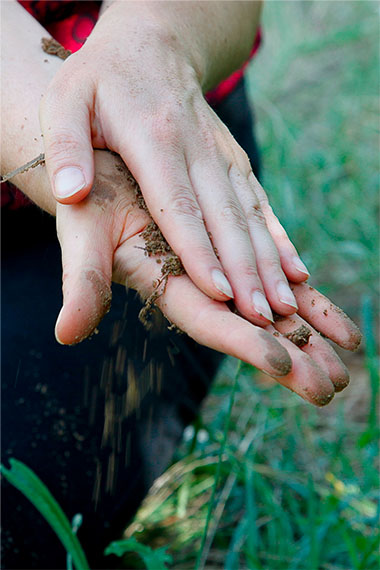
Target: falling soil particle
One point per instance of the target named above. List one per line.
(312, 302)
(299, 337)
(325, 312)
(52, 47)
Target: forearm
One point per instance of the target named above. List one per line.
(215, 36)
(26, 73)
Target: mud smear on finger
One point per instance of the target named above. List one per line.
(277, 356)
(101, 289)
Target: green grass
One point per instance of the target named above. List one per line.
(298, 487)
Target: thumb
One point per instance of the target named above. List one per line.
(87, 272)
(66, 129)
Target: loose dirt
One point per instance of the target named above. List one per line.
(299, 337)
(52, 47)
(155, 245)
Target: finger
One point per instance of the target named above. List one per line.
(215, 326)
(208, 322)
(273, 278)
(65, 124)
(294, 268)
(171, 201)
(310, 341)
(228, 228)
(306, 378)
(87, 269)
(326, 317)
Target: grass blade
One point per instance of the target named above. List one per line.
(203, 552)
(26, 481)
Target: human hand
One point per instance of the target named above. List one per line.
(135, 87)
(101, 239)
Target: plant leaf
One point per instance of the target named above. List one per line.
(26, 481)
(153, 559)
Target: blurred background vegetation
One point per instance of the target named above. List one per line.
(298, 487)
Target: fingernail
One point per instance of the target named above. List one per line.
(221, 283)
(300, 266)
(286, 296)
(68, 181)
(261, 305)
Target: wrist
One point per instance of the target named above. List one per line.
(214, 38)
(156, 28)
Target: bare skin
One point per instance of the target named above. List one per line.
(100, 240)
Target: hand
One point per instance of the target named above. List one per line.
(101, 239)
(136, 89)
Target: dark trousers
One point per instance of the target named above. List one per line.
(97, 422)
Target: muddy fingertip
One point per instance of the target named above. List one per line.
(277, 357)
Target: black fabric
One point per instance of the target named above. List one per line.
(97, 422)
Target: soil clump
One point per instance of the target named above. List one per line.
(299, 337)
(52, 47)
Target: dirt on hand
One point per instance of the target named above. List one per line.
(299, 337)
(155, 244)
(52, 47)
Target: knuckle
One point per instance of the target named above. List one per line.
(247, 268)
(62, 144)
(232, 214)
(272, 265)
(255, 215)
(184, 204)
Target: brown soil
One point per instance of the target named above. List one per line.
(52, 47)
(155, 244)
(299, 337)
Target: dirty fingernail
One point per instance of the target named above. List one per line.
(221, 283)
(285, 295)
(68, 181)
(300, 266)
(261, 305)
